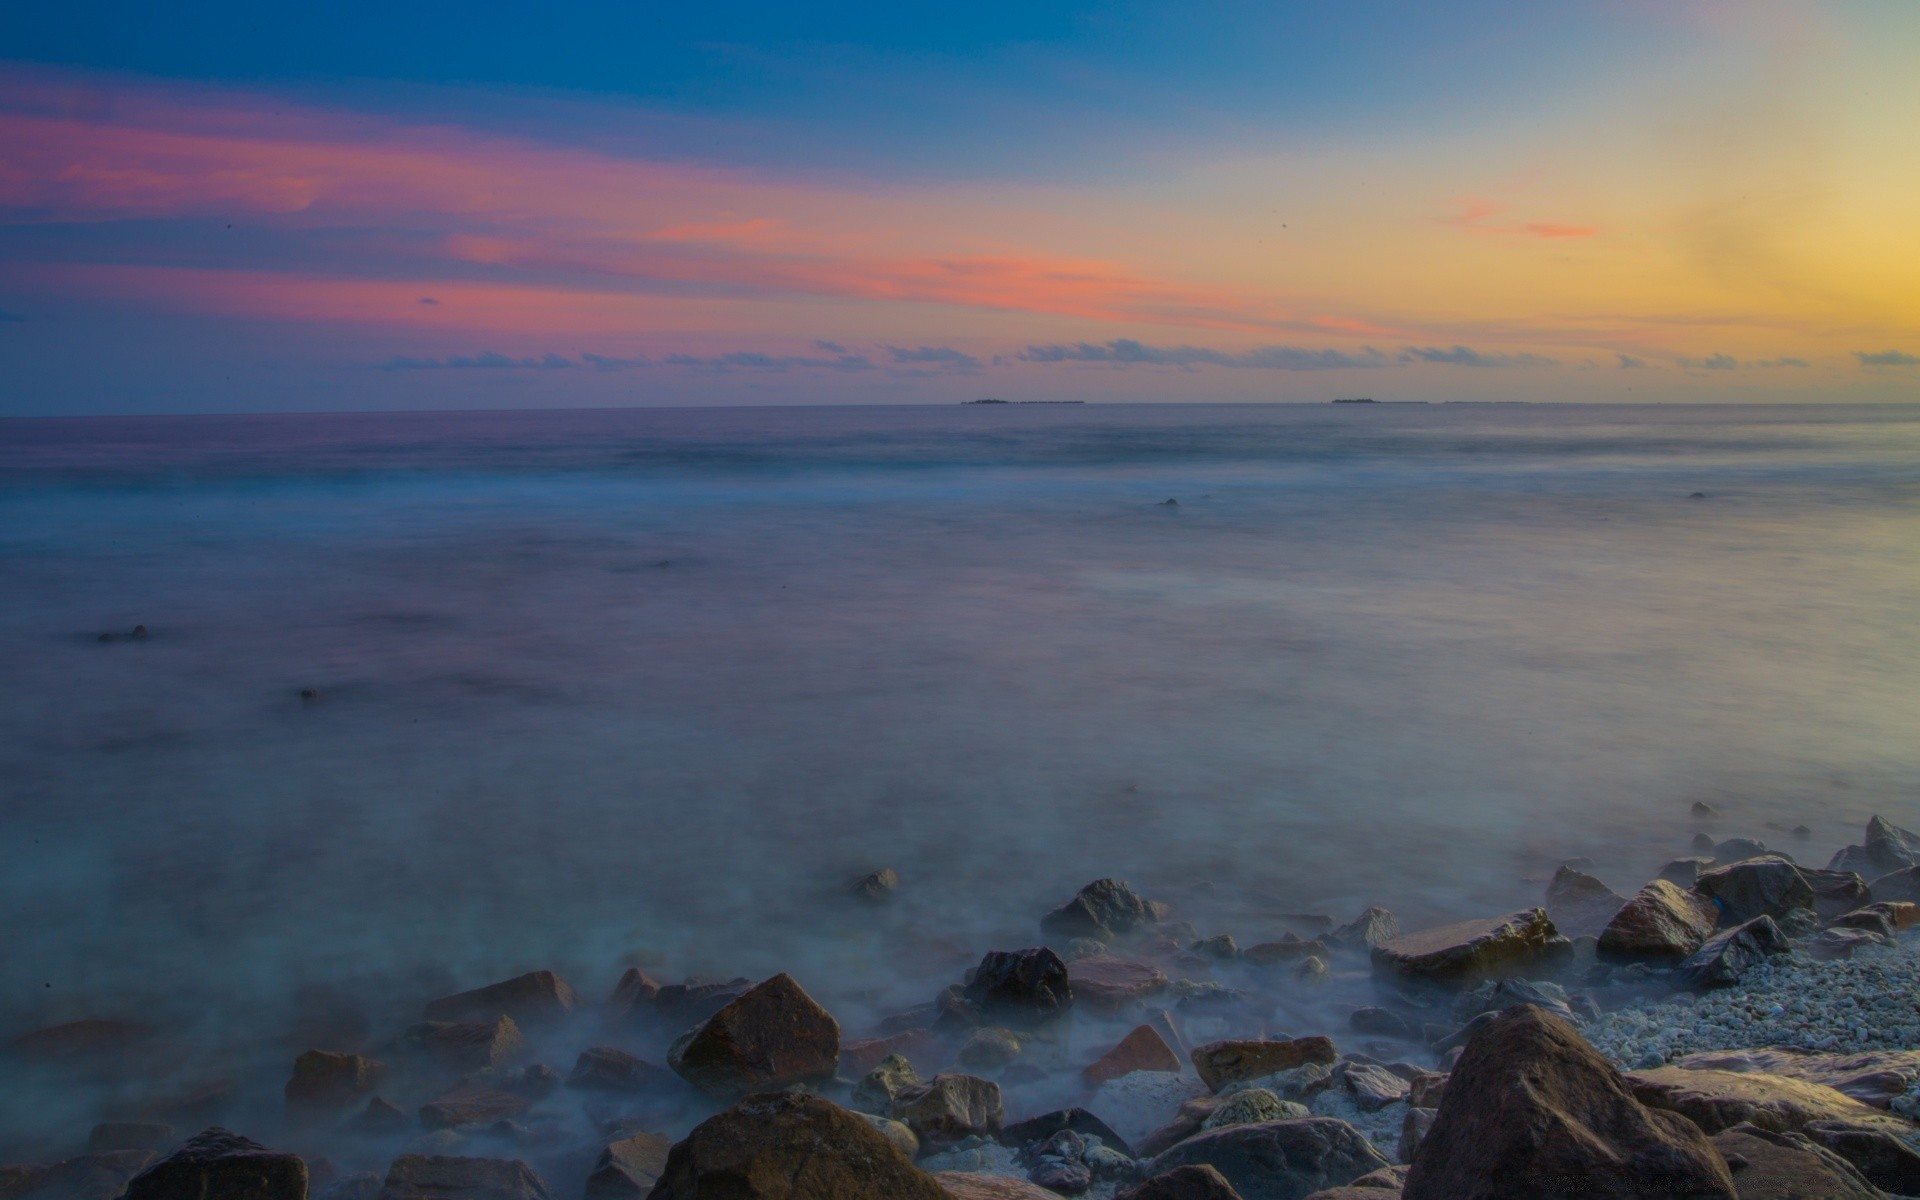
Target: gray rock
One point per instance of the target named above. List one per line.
(1767, 886)
(1579, 904)
(1104, 909)
(1023, 987)
(1887, 1162)
(1725, 957)
(1279, 1160)
(1369, 929)
(948, 1108)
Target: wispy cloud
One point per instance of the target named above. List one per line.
(487, 360)
(1466, 356)
(748, 360)
(1273, 358)
(1629, 362)
(1781, 362)
(1477, 216)
(1886, 358)
(944, 357)
(1713, 362)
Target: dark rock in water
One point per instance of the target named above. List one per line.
(1106, 984)
(635, 991)
(325, 1085)
(1722, 959)
(876, 886)
(790, 1147)
(1735, 850)
(1765, 886)
(1683, 871)
(1661, 922)
(1887, 1162)
(1196, 1182)
(472, 1106)
(109, 1136)
(1104, 909)
(1788, 1166)
(1835, 892)
(1841, 943)
(1701, 844)
(1143, 1049)
(1222, 947)
(381, 1118)
(605, 1069)
(1288, 949)
(1278, 1160)
(1021, 986)
(1169, 502)
(1369, 929)
(100, 1176)
(1222, 1063)
(1801, 831)
(1074, 1120)
(435, 1177)
(1382, 1022)
(1502, 994)
(948, 1107)
(466, 1045)
(1065, 1176)
(534, 999)
(1702, 811)
(628, 1169)
(772, 1037)
(678, 1005)
(1470, 951)
(221, 1163)
(1581, 905)
(309, 694)
(1532, 1110)
(1899, 885)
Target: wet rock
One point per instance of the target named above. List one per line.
(1835, 892)
(876, 1091)
(876, 887)
(466, 1045)
(1373, 1088)
(1104, 909)
(1872, 1077)
(947, 1108)
(1021, 987)
(1735, 850)
(790, 1146)
(1532, 1110)
(605, 1069)
(1722, 959)
(1873, 920)
(1887, 1162)
(102, 1176)
(772, 1037)
(1786, 1166)
(1278, 1160)
(1719, 1100)
(1298, 1083)
(532, 1000)
(958, 1185)
(678, 1005)
(1425, 1089)
(904, 1139)
(219, 1162)
(109, 1136)
(381, 1118)
(439, 1177)
(1502, 994)
(1066, 1176)
(1767, 886)
(1143, 1049)
(1841, 943)
(1286, 951)
(1369, 929)
(1581, 905)
(1196, 1182)
(467, 1106)
(988, 1049)
(628, 1169)
(1468, 952)
(1105, 984)
(1888, 848)
(1073, 1120)
(1661, 923)
(1414, 1127)
(1222, 1063)
(1222, 947)
(636, 991)
(324, 1085)
(1682, 872)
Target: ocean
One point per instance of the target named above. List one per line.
(612, 687)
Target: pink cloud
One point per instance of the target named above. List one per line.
(1476, 216)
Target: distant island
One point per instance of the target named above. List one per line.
(1356, 400)
(991, 400)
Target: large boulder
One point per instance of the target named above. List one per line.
(606, 1069)
(1107, 985)
(1103, 910)
(790, 1146)
(1278, 1160)
(1661, 923)
(532, 1000)
(1722, 959)
(1143, 1049)
(1835, 892)
(1768, 886)
(1888, 848)
(1873, 1077)
(325, 1085)
(442, 1177)
(221, 1163)
(1580, 904)
(1786, 1166)
(1468, 952)
(949, 1107)
(628, 1169)
(1531, 1110)
(1222, 1063)
(1196, 1182)
(1890, 1163)
(1719, 1100)
(1021, 987)
(771, 1037)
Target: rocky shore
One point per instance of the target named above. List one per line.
(1740, 1026)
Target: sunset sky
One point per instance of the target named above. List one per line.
(218, 206)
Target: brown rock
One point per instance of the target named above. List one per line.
(772, 1037)
(437, 1177)
(1662, 922)
(1719, 1100)
(859, 1057)
(1532, 1111)
(1221, 1063)
(605, 1069)
(1425, 1089)
(1106, 984)
(628, 1169)
(1141, 1050)
(325, 1085)
(534, 999)
(1786, 1166)
(224, 1164)
(1835, 891)
(1468, 951)
(636, 990)
(472, 1106)
(961, 1185)
(1195, 1182)
(1767, 886)
(1580, 905)
(790, 1147)
(1872, 1077)
(466, 1045)
(947, 1108)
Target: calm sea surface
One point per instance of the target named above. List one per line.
(648, 686)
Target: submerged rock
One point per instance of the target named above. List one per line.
(466, 1045)
(531, 1000)
(472, 1106)
(1278, 1160)
(221, 1163)
(324, 1085)
(441, 1177)
(1104, 909)
(988, 1049)
(1661, 922)
(1468, 952)
(876, 887)
(1021, 986)
(605, 1069)
(772, 1037)
(790, 1146)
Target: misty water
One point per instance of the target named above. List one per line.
(616, 687)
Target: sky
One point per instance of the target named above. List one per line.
(221, 207)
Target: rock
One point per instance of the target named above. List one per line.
(102, 1176)
(1899, 885)
(1106, 984)
(948, 1107)
(988, 1049)
(771, 1037)
(1841, 943)
(1278, 1160)
(1581, 905)
(1702, 844)
(1787, 1166)
(876, 887)
(605, 1069)
(1251, 1107)
(325, 1085)
(1196, 1182)
(362, 1185)
(472, 1106)
(1222, 1063)
(1873, 918)
(904, 1139)
(790, 1146)
(1661, 922)
(221, 1163)
(1702, 811)
(466, 1045)
(1289, 949)
(636, 990)
(1888, 848)
(1382, 1022)
(1903, 913)
(1502, 994)
(1722, 959)
(1835, 892)
(1104, 909)
(437, 1177)
(1222, 947)
(1373, 1088)
(1468, 952)
(857, 1058)
(381, 1118)
(1065, 1176)
(1414, 1127)
(1873, 1077)
(1682, 872)
(1021, 986)
(1143, 1049)
(1369, 929)
(109, 1136)
(1532, 1110)
(1425, 1089)
(1075, 1120)
(628, 1169)
(958, 1185)
(535, 999)
(1888, 1162)
(1767, 886)
(678, 1005)
(1186, 1122)
(876, 1092)
(1735, 850)
(1719, 1100)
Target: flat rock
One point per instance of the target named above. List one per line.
(1143, 1049)
(1373, 1088)
(1531, 1111)
(962, 1185)
(535, 999)
(472, 1106)
(1580, 904)
(1468, 952)
(1719, 1100)
(949, 1107)
(466, 1045)
(1768, 886)
(1888, 1162)
(1106, 984)
(791, 1146)
(1021, 986)
(606, 1069)
(1222, 1063)
(628, 1169)
(1278, 1160)
(443, 1177)
(1786, 1166)
(1872, 1077)
(773, 1036)
(1662, 922)
(1722, 959)
(1104, 909)
(221, 1163)
(325, 1084)
(1196, 1182)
